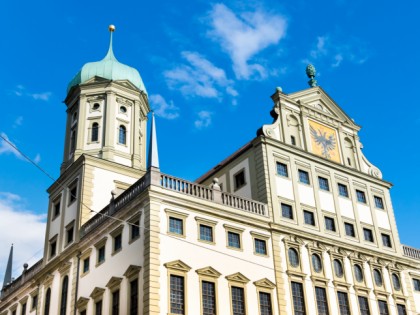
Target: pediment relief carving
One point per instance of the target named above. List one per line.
(265, 283)
(208, 272)
(238, 277)
(178, 265)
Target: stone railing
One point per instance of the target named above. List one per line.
(24, 278)
(244, 204)
(204, 192)
(411, 252)
(116, 205)
(186, 187)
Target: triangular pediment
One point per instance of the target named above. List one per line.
(96, 79)
(208, 272)
(318, 104)
(265, 283)
(238, 277)
(97, 292)
(114, 282)
(178, 265)
(131, 271)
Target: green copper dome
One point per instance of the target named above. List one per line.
(108, 68)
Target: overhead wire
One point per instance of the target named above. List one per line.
(171, 236)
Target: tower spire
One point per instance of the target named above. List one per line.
(110, 53)
(8, 274)
(153, 160)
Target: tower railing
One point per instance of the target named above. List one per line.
(411, 252)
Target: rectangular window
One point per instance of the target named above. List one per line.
(386, 240)
(83, 312)
(368, 235)
(117, 242)
(343, 191)
(70, 233)
(240, 180)
(286, 211)
(379, 202)
(323, 183)
(98, 308)
(208, 291)
(329, 224)
(383, 308)
(260, 246)
(401, 309)
(206, 233)
(349, 229)
(134, 296)
(361, 197)
(363, 305)
(73, 193)
(34, 302)
(134, 230)
(177, 294)
(298, 299)
(57, 207)
(265, 303)
(23, 312)
(343, 303)
(176, 226)
(304, 177)
(53, 249)
(116, 302)
(416, 284)
(321, 301)
(86, 263)
(309, 217)
(282, 169)
(293, 140)
(101, 254)
(238, 301)
(234, 240)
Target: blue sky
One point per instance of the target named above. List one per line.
(210, 69)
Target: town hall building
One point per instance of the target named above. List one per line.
(297, 221)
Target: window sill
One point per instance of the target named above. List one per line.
(116, 252)
(235, 248)
(133, 240)
(206, 242)
(176, 234)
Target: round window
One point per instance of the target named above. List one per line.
(123, 109)
(95, 106)
(338, 268)
(293, 257)
(316, 263)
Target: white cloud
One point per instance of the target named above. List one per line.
(162, 108)
(18, 122)
(24, 229)
(333, 51)
(45, 96)
(199, 77)
(204, 119)
(39, 96)
(245, 35)
(6, 148)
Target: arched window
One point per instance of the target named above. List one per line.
(64, 290)
(378, 277)
(95, 132)
(358, 273)
(338, 268)
(47, 302)
(122, 137)
(316, 263)
(293, 257)
(396, 282)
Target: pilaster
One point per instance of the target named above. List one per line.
(109, 127)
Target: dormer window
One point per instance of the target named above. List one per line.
(122, 137)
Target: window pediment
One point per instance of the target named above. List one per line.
(178, 265)
(208, 272)
(238, 277)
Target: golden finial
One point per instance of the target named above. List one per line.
(111, 28)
